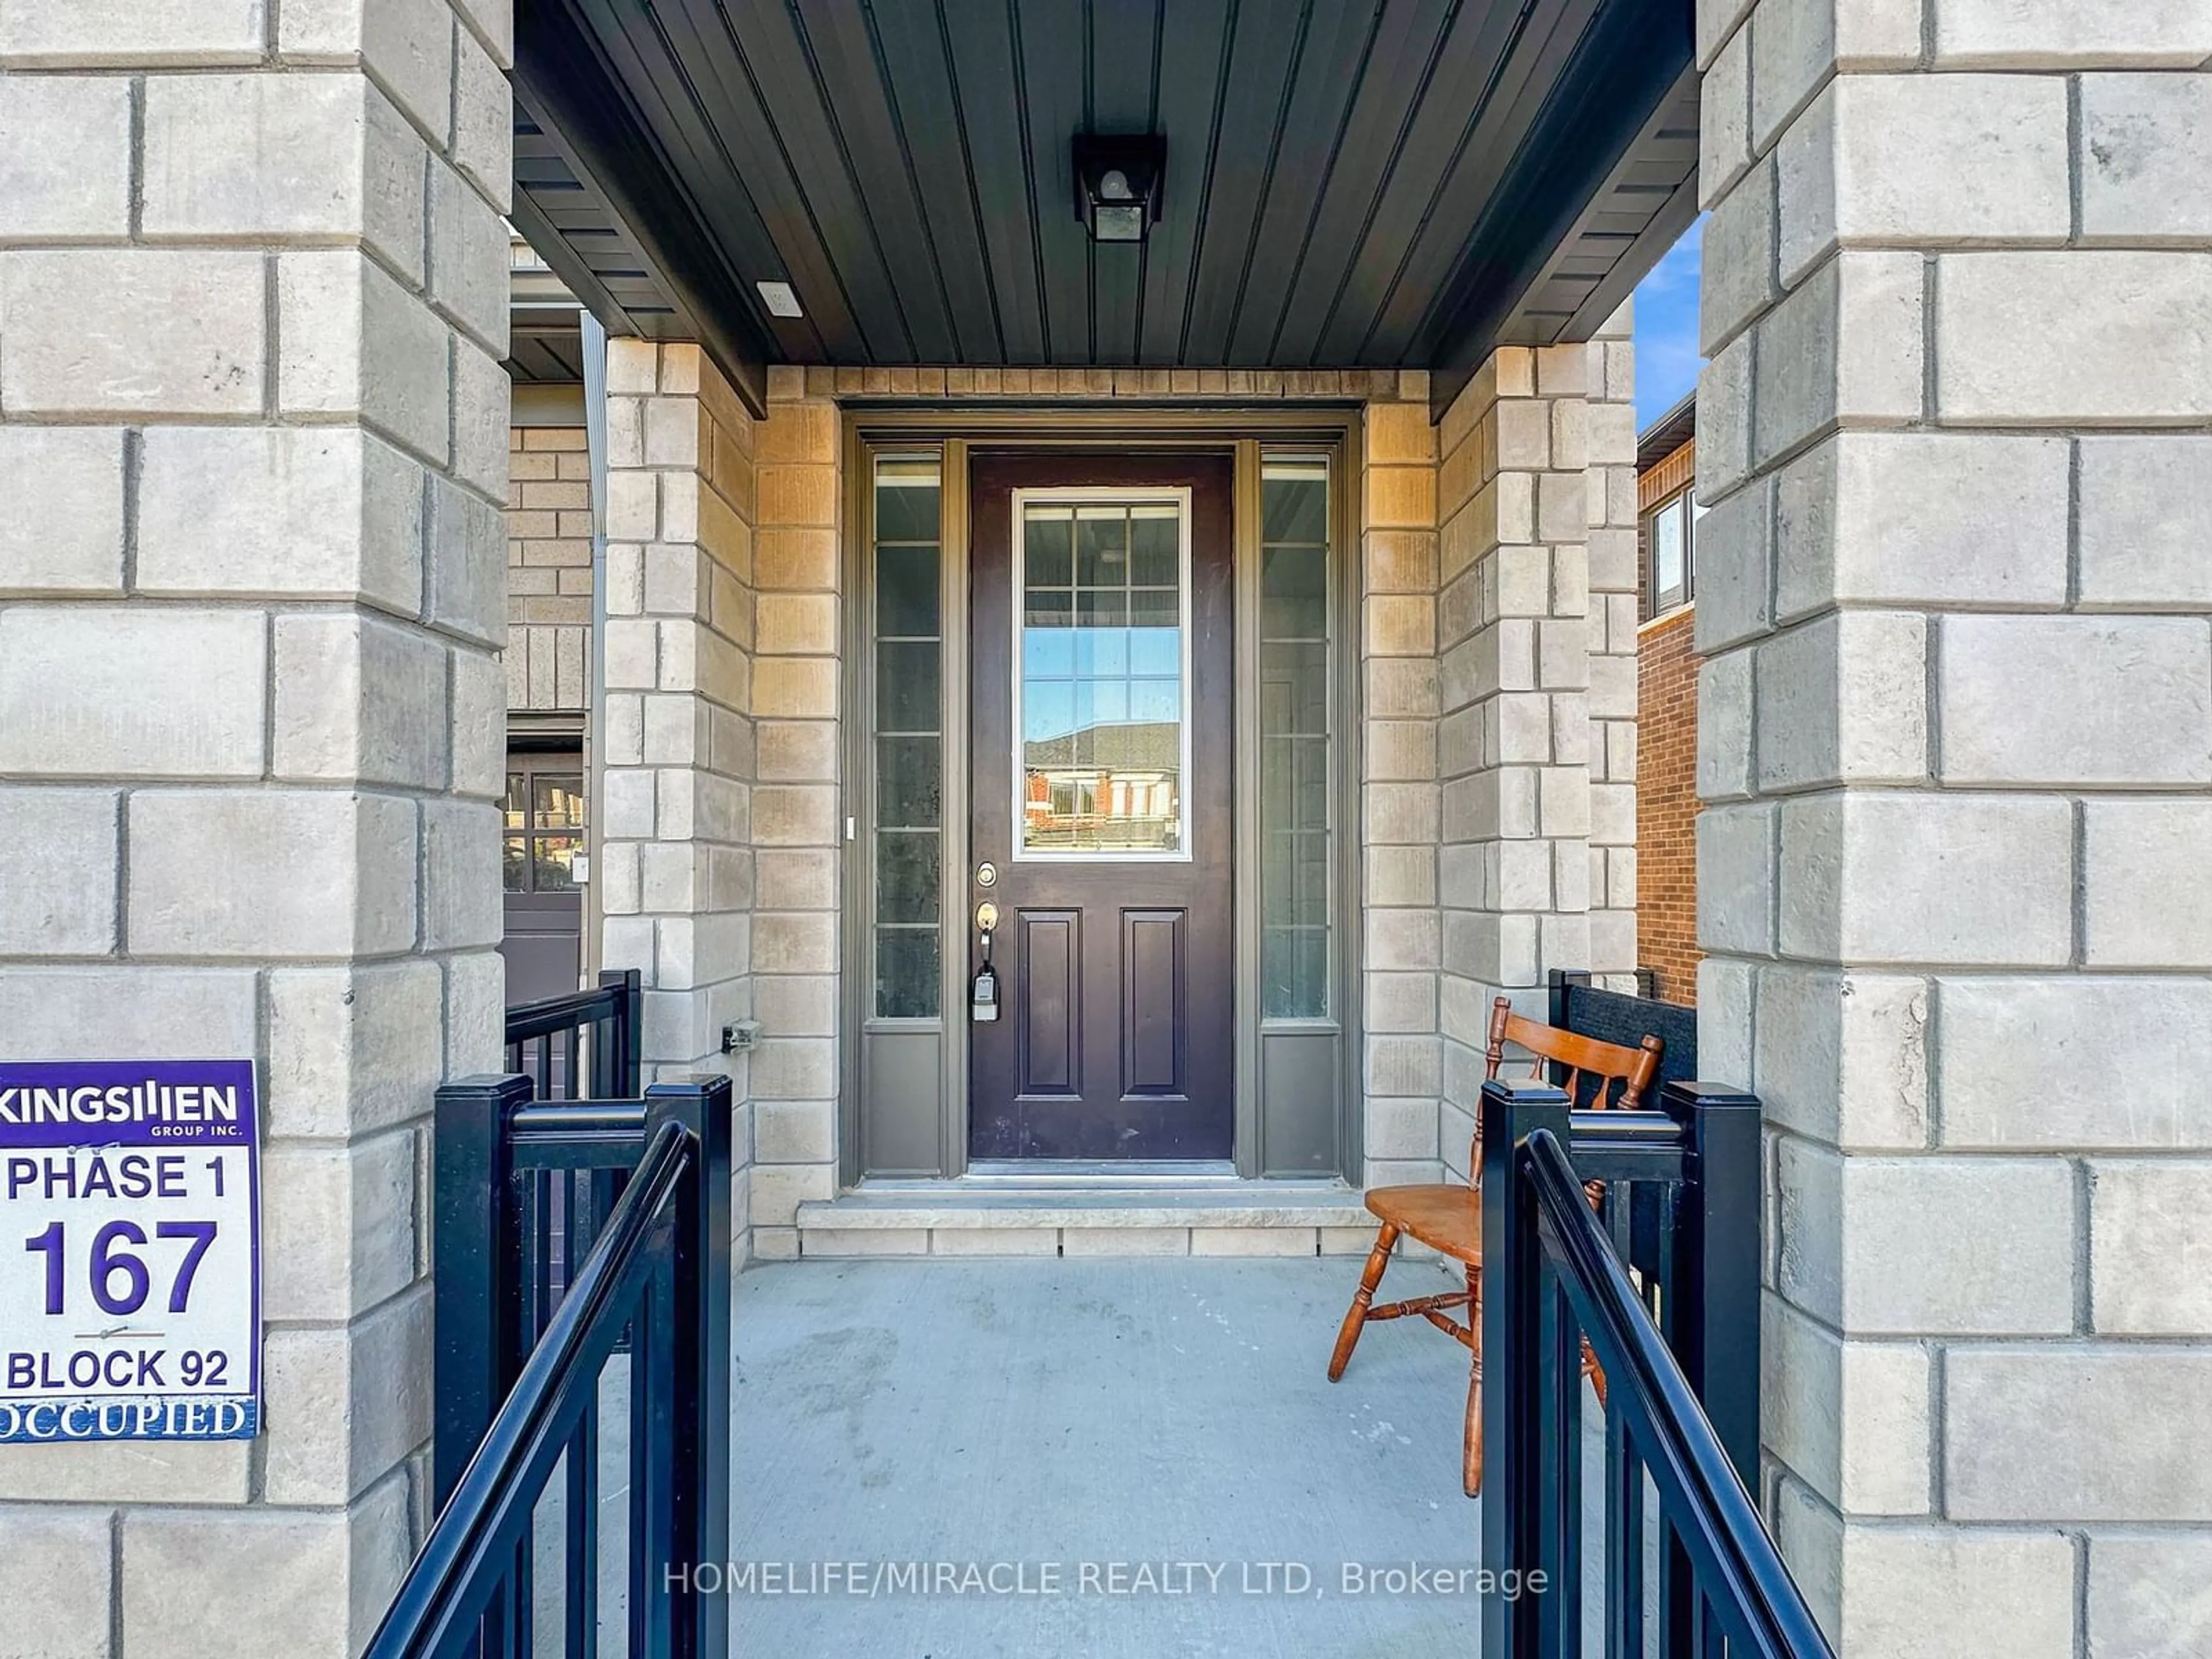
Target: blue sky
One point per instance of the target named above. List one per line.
(1667, 360)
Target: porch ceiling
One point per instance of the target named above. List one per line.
(1383, 183)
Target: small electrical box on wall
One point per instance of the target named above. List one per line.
(741, 1036)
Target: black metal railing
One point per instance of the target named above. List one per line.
(525, 1387)
(586, 1044)
(1662, 1282)
(583, 1044)
(1576, 1005)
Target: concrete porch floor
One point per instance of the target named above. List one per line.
(1094, 1416)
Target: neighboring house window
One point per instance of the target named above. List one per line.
(1670, 531)
(544, 825)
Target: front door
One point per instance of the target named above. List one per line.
(1102, 670)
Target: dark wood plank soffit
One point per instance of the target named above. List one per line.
(1349, 183)
(1605, 183)
(654, 273)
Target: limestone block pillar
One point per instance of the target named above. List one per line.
(1956, 753)
(1520, 634)
(798, 809)
(252, 450)
(675, 883)
(1609, 494)
(1402, 1067)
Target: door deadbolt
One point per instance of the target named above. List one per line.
(987, 875)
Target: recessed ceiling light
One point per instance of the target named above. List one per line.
(779, 299)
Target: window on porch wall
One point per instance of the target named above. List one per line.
(908, 626)
(1294, 737)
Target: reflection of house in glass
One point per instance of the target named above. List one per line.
(1101, 677)
(1116, 787)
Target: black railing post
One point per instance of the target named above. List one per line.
(700, 1526)
(1512, 1328)
(1560, 984)
(1715, 1316)
(1709, 1313)
(618, 1047)
(477, 1265)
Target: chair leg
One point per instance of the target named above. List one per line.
(1347, 1338)
(1471, 1472)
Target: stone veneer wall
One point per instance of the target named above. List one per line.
(549, 570)
(1536, 742)
(675, 883)
(1957, 756)
(253, 300)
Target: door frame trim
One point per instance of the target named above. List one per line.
(952, 431)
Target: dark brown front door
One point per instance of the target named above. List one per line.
(1102, 613)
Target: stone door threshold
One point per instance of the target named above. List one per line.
(1226, 1218)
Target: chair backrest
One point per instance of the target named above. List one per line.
(1604, 1063)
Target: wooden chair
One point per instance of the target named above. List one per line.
(1449, 1217)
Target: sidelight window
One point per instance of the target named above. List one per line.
(1102, 679)
(1294, 739)
(909, 741)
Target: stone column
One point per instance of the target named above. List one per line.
(797, 810)
(676, 881)
(1519, 632)
(1401, 1069)
(252, 446)
(1608, 461)
(1956, 738)
(549, 570)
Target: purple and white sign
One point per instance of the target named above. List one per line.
(130, 1251)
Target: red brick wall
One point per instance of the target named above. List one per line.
(1667, 803)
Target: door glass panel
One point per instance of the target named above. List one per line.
(1101, 680)
(544, 825)
(1294, 739)
(909, 749)
(907, 877)
(906, 685)
(907, 972)
(554, 860)
(908, 794)
(558, 802)
(906, 593)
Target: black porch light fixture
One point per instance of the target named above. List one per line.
(1117, 184)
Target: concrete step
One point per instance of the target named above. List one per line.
(993, 1217)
